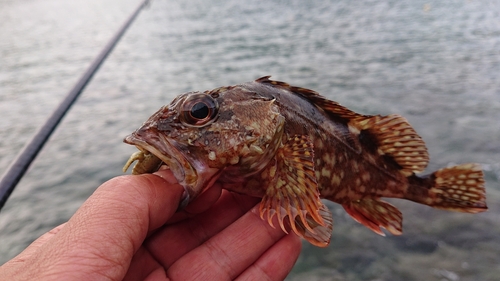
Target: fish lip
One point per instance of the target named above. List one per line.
(164, 149)
(194, 175)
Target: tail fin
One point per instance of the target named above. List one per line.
(459, 188)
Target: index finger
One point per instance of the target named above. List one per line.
(170, 243)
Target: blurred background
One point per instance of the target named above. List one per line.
(435, 62)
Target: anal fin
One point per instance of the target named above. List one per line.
(292, 193)
(374, 214)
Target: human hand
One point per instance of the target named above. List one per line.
(128, 230)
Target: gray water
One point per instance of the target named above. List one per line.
(435, 62)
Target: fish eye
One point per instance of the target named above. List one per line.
(199, 110)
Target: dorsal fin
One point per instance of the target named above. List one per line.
(392, 134)
(315, 98)
(395, 137)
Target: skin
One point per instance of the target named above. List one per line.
(129, 230)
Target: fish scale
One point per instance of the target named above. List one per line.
(292, 147)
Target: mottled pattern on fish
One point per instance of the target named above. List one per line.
(292, 146)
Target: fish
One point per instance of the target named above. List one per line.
(293, 147)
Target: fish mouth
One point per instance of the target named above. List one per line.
(162, 148)
(193, 175)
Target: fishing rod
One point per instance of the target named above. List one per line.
(18, 168)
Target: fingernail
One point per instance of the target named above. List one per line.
(166, 175)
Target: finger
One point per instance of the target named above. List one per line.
(199, 205)
(134, 205)
(230, 252)
(167, 175)
(205, 200)
(174, 241)
(103, 235)
(142, 265)
(158, 275)
(45, 237)
(277, 262)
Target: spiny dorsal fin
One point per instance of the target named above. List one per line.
(392, 134)
(315, 98)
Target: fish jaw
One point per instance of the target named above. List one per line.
(195, 176)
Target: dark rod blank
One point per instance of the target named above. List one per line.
(18, 168)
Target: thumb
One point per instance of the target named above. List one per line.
(103, 235)
(33, 247)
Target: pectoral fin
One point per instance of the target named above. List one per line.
(292, 193)
(374, 214)
(316, 234)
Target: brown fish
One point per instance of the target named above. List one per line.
(291, 146)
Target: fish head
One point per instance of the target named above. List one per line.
(200, 135)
